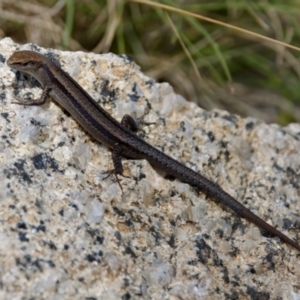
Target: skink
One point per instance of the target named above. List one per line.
(119, 136)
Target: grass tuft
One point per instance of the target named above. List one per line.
(236, 55)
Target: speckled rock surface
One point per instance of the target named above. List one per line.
(65, 233)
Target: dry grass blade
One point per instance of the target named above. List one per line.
(114, 20)
(185, 49)
(203, 18)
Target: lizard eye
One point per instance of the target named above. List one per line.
(24, 63)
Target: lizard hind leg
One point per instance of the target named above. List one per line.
(133, 123)
(117, 162)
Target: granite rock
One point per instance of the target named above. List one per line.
(65, 232)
